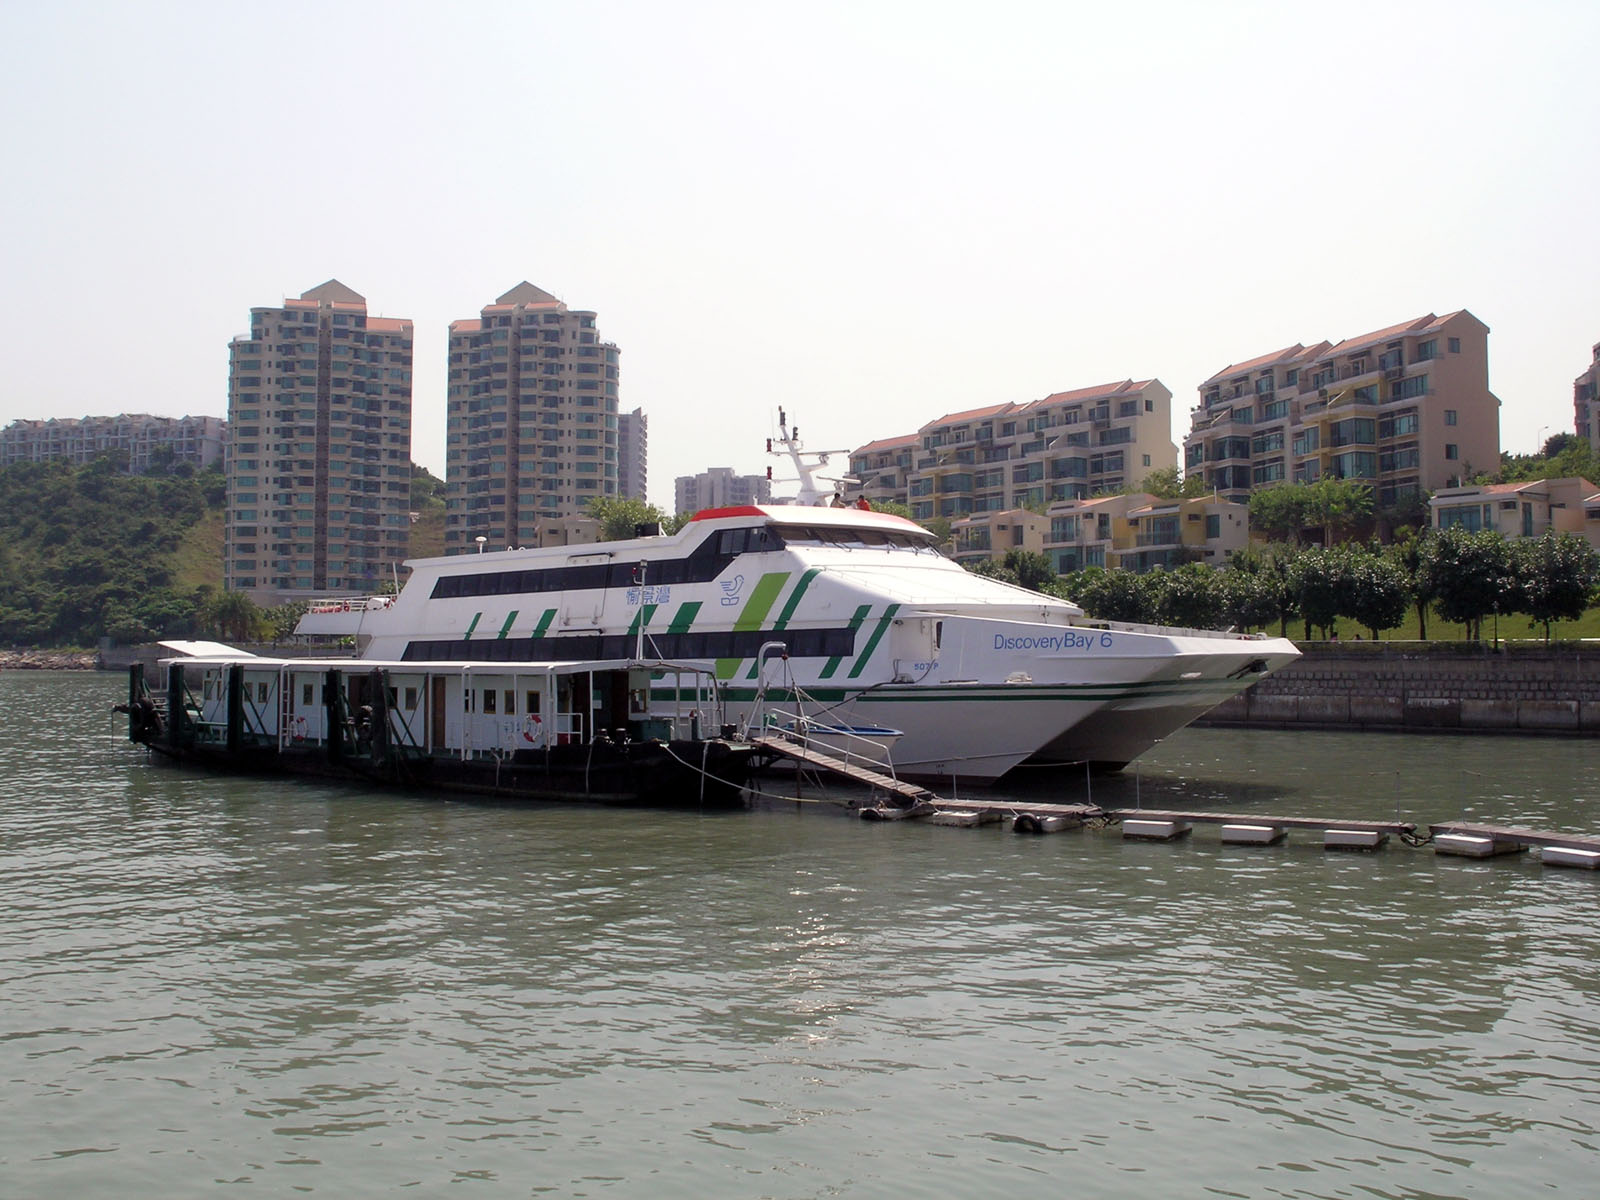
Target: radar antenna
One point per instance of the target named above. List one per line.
(815, 490)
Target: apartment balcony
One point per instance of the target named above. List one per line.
(1147, 541)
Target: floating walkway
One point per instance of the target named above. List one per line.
(895, 800)
(908, 795)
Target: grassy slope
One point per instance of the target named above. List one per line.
(198, 559)
(1513, 627)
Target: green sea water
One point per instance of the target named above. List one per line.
(224, 986)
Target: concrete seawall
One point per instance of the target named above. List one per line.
(1428, 686)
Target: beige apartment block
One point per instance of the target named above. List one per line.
(1169, 533)
(633, 454)
(1407, 409)
(1069, 445)
(1586, 401)
(146, 440)
(319, 462)
(1518, 510)
(718, 487)
(530, 420)
(990, 535)
(1085, 533)
(1139, 532)
(882, 469)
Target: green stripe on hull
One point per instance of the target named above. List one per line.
(476, 617)
(762, 597)
(506, 628)
(872, 642)
(687, 611)
(789, 606)
(832, 664)
(641, 619)
(544, 622)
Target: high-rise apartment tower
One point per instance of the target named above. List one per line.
(531, 422)
(319, 459)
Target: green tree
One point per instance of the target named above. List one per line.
(1470, 576)
(1318, 578)
(1377, 596)
(619, 516)
(1169, 484)
(1558, 573)
(1191, 596)
(1250, 599)
(1340, 506)
(233, 616)
(1113, 595)
(1281, 513)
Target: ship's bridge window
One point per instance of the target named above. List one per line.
(846, 536)
(756, 539)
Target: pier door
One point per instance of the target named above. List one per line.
(436, 713)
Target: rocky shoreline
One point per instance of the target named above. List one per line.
(48, 660)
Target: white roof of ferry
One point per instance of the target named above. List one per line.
(229, 656)
(786, 514)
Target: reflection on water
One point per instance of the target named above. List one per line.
(224, 983)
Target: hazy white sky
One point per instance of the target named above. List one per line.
(869, 213)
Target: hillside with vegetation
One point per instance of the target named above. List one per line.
(90, 552)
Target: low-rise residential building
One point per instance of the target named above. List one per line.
(1083, 533)
(990, 535)
(1586, 402)
(1069, 445)
(1169, 533)
(144, 439)
(1406, 408)
(1517, 510)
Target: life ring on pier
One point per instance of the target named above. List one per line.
(533, 730)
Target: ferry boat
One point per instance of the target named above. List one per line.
(848, 618)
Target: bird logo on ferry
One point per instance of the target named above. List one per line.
(730, 590)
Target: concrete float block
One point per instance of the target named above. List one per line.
(1489, 714)
(1037, 823)
(1354, 839)
(1155, 831)
(888, 812)
(1377, 710)
(965, 818)
(1252, 835)
(1565, 856)
(1547, 714)
(1462, 845)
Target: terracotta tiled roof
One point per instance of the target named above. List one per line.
(972, 414)
(1089, 393)
(893, 443)
(388, 324)
(1388, 334)
(1287, 354)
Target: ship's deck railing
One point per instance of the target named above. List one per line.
(842, 741)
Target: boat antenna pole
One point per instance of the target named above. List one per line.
(638, 582)
(811, 492)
